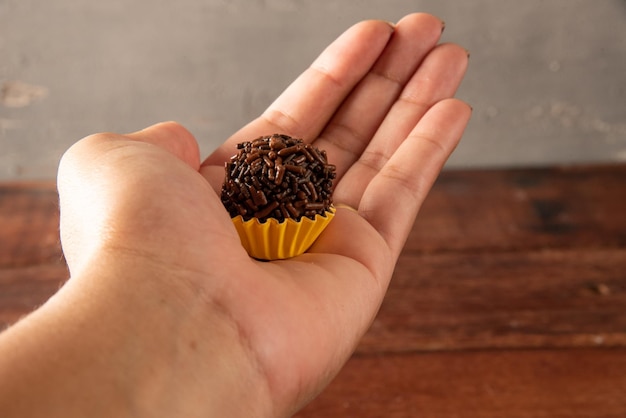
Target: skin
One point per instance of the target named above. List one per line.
(164, 313)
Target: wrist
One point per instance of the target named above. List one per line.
(139, 340)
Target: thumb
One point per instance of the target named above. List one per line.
(172, 137)
(106, 178)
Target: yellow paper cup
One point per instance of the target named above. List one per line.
(273, 240)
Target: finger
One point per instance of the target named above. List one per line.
(173, 138)
(352, 237)
(393, 197)
(308, 103)
(352, 128)
(438, 78)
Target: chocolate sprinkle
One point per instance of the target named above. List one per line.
(278, 177)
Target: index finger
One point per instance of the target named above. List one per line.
(305, 107)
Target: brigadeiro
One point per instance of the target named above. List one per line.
(278, 191)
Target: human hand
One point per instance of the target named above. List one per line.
(149, 243)
(379, 103)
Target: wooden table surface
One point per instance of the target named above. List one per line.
(509, 299)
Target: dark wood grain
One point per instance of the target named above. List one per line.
(478, 384)
(31, 263)
(29, 224)
(509, 299)
(509, 210)
(549, 298)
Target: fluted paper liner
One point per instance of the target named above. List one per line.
(273, 240)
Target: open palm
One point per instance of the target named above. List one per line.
(378, 100)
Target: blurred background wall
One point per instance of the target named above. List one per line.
(547, 79)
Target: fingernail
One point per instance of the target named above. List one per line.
(468, 53)
(393, 25)
(443, 25)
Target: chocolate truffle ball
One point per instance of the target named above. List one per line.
(280, 177)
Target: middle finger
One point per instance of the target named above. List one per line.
(350, 130)
(437, 79)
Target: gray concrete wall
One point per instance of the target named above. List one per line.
(547, 79)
